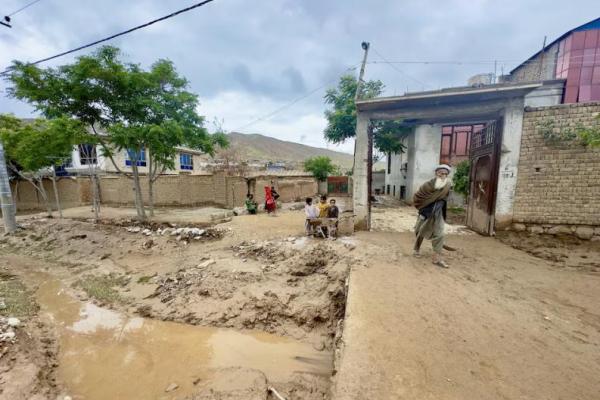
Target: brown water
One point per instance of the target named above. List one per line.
(105, 355)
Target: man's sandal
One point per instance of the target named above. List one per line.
(416, 253)
(442, 264)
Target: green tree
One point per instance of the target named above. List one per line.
(321, 167)
(139, 110)
(34, 149)
(461, 179)
(341, 119)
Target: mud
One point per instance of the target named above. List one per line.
(28, 351)
(104, 354)
(252, 284)
(563, 251)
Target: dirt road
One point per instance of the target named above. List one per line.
(261, 305)
(499, 324)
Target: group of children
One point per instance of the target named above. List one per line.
(271, 197)
(315, 215)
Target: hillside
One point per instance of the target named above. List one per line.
(259, 147)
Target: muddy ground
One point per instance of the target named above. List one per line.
(251, 274)
(241, 274)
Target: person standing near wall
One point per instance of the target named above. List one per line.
(430, 200)
(270, 204)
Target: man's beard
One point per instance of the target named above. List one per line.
(440, 183)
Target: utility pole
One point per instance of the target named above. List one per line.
(6, 200)
(542, 59)
(365, 47)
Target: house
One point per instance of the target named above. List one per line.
(86, 158)
(485, 124)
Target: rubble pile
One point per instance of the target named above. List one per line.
(7, 332)
(179, 233)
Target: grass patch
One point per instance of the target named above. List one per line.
(145, 279)
(102, 288)
(18, 300)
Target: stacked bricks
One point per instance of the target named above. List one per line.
(558, 184)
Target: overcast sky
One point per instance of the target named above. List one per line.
(247, 59)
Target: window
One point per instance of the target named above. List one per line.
(389, 157)
(388, 189)
(186, 161)
(394, 191)
(456, 142)
(87, 154)
(141, 157)
(402, 192)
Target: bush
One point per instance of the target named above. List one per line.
(461, 178)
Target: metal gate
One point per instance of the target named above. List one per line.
(485, 159)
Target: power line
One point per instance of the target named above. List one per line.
(291, 103)
(399, 70)
(22, 8)
(115, 35)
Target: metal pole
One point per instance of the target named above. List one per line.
(8, 209)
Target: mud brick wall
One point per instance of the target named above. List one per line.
(557, 184)
(169, 191)
(72, 193)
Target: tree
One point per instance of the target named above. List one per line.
(461, 179)
(34, 149)
(341, 120)
(139, 110)
(321, 167)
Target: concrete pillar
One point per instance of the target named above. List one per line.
(360, 192)
(509, 161)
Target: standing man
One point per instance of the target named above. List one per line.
(430, 200)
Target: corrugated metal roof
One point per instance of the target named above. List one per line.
(594, 24)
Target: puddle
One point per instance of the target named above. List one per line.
(105, 355)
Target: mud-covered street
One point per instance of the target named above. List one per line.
(165, 311)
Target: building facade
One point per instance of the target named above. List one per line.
(574, 56)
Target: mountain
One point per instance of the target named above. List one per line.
(264, 148)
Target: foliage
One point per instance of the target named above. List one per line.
(31, 147)
(321, 167)
(341, 119)
(138, 109)
(590, 136)
(563, 134)
(460, 179)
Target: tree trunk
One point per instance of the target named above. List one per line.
(151, 173)
(139, 201)
(42, 191)
(151, 196)
(56, 196)
(95, 196)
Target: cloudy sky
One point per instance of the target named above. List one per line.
(248, 59)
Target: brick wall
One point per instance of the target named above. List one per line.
(557, 184)
(72, 193)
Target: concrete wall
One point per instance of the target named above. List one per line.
(558, 184)
(397, 176)
(378, 181)
(509, 160)
(424, 157)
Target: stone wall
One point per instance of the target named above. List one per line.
(557, 187)
(530, 70)
(169, 191)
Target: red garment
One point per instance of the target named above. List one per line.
(270, 204)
